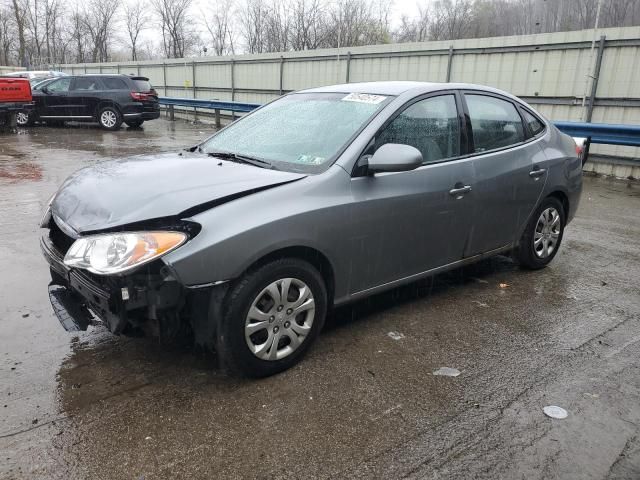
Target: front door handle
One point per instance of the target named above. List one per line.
(537, 172)
(459, 191)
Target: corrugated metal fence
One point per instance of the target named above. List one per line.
(554, 72)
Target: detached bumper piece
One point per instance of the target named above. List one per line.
(73, 315)
(147, 300)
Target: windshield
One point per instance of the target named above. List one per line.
(299, 132)
(42, 83)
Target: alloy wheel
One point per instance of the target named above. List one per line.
(22, 119)
(279, 319)
(547, 232)
(108, 118)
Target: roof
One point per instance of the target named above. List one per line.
(399, 87)
(380, 88)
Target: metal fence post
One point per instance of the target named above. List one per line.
(281, 72)
(138, 69)
(449, 63)
(164, 77)
(171, 113)
(348, 66)
(217, 113)
(233, 86)
(596, 75)
(193, 78)
(118, 67)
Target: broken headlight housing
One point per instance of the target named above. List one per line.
(107, 254)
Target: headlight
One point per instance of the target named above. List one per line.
(119, 252)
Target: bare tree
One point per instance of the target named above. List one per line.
(136, 19)
(218, 22)
(414, 29)
(253, 24)
(452, 19)
(98, 21)
(174, 22)
(308, 26)
(7, 35)
(20, 15)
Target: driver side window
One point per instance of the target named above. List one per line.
(430, 125)
(61, 85)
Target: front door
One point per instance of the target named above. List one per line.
(56, 99)
(406, 223)
(508, 175)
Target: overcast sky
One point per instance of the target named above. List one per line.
(407, 7)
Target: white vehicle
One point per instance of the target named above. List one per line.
(31, 74)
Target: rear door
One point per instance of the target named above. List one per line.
(55, 100)
(508, 177)
(84, 96)
(406, 223)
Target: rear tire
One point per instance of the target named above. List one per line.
(109, 118)
(261, 335)
(134, 123)
(542, 237)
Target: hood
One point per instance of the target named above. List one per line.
(120, 192)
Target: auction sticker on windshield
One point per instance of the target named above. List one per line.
(364, 98)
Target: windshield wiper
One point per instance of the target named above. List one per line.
(258, 162)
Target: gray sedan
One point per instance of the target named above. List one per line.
(316, 199)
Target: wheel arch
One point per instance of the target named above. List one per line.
(312, 255)
(106, 103)
(563, 198)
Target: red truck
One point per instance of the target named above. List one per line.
(15, 96)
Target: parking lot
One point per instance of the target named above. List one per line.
(365, 402)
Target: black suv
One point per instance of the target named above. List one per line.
(106, 99)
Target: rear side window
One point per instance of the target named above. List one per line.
(143, 85)
(430, 125)
(112, 83)
(535, 124)
(86, 83)
(495, 122)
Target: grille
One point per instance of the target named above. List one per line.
(61, 240)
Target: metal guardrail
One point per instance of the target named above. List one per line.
(210, 104)
(215, 105)
(604, 133)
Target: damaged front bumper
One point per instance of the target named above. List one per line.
(149, 299)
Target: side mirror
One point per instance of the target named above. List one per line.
(395, 157)
(44, 90)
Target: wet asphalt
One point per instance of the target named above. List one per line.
(364, 403)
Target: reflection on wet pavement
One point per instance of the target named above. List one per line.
(363, 403)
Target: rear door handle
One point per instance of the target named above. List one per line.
(460, 190)
(537, 172)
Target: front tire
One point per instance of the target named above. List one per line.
(271, 317)
(543, 235)
(109, 118)
(24, 119)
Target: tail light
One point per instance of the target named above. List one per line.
(142, 97)
(580, 143)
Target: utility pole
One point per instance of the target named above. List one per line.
(590, 75)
